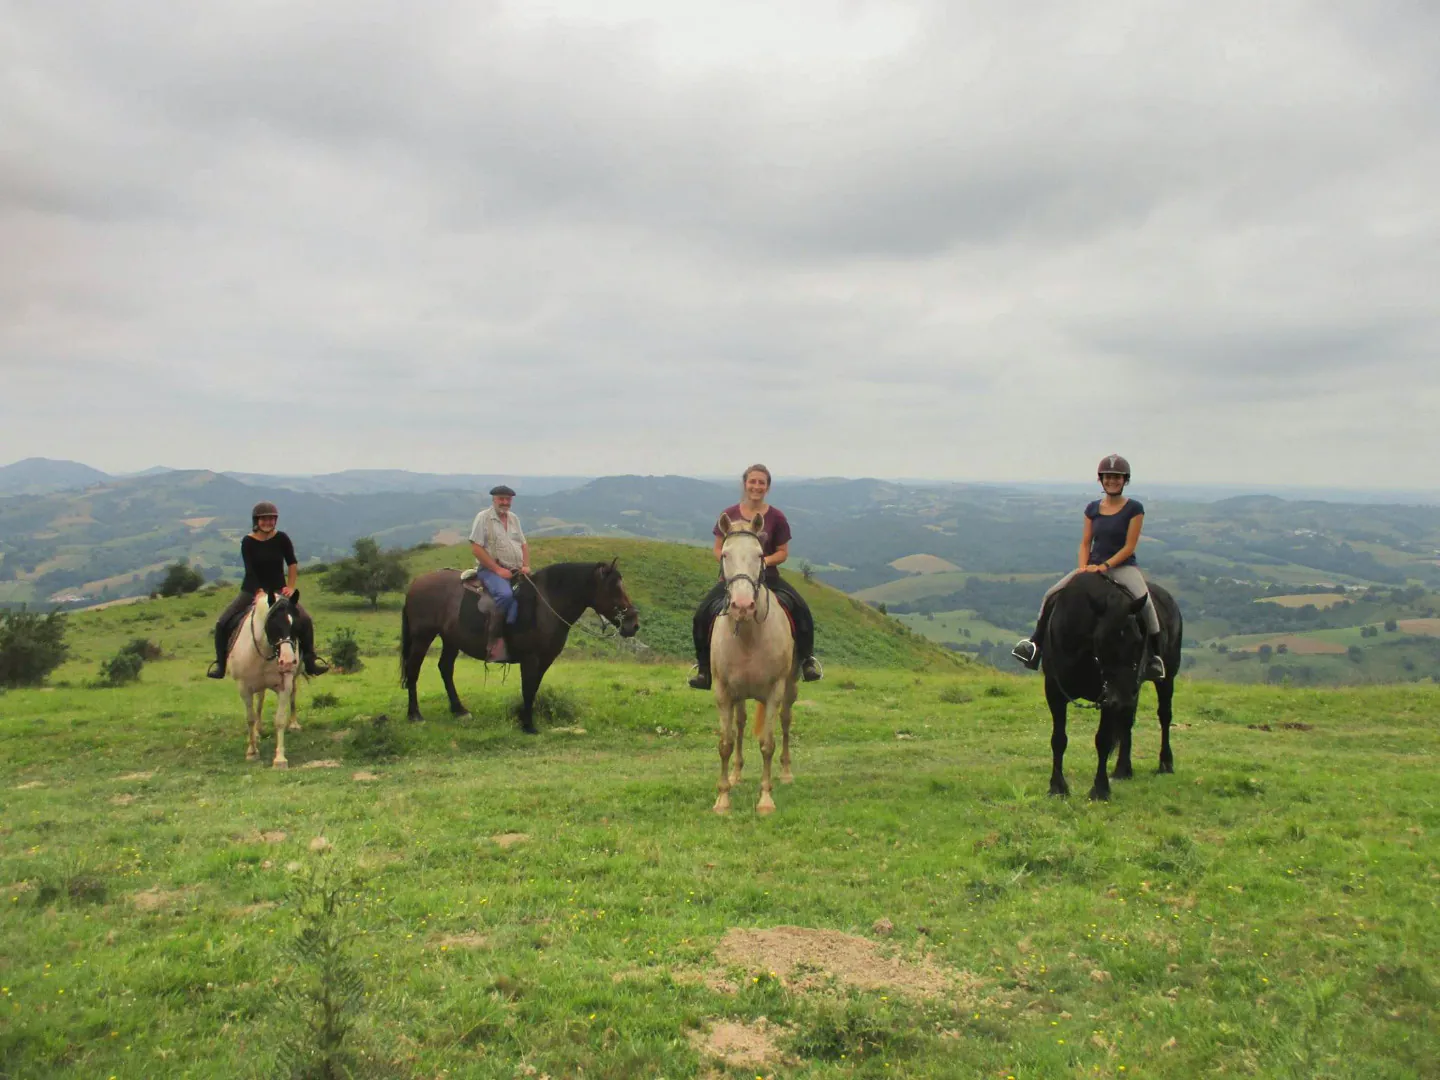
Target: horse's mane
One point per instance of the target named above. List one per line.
(567, 575)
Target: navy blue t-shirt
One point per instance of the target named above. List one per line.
(1107, 532)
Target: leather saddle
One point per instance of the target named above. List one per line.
(477, 609)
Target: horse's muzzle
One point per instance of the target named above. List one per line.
(629, 623)
(286, 659)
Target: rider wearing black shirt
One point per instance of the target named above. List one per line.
(270, 565)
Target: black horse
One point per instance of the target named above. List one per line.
(1093, 647)
(439, 603)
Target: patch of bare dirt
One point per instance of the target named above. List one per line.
(319, 843)
(321, 763)
(510, 839)
(274, 836)
(252, 909)
(803, 959)
(123, 800)
(364, 777)
(30, 785)
(158, 899)
(137, 775)
(340, 736)
(741, 1046)
(461, 941)
(17, 888)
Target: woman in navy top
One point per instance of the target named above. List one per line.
(1111, 534)
(270, 564)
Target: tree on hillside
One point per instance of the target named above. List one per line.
(369, 572)
(180, 578)
(30, 646)
(1391, 625)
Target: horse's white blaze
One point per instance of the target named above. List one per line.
(752, 657)
(254, 673)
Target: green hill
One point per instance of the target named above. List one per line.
(664, 580)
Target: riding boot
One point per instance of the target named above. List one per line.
(701, 679)
(1027, 651)
(305, 631)
(1154, 666)
(495, 636)
(222, 646)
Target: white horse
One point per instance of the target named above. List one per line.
(752, 655)
(263, 657)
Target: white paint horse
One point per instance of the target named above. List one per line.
(263, 657)
(752, 655)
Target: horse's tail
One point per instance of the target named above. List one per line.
(405, 644)
(759, 729)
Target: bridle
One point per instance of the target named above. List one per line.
(756, 584)
(1071, 699)
(261, 646)
(614, 619)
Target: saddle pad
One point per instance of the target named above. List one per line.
(469, 575)
(475, 617)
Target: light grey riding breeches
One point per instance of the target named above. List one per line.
(1128, 578)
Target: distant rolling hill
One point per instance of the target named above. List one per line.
(40, 476)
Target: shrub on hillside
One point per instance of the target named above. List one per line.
(369, 572)
(31, 646)
(124, 667)
(379, 740)
(180, 578)
(345, 651)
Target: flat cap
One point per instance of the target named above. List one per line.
(503, 489)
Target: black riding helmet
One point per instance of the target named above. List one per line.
(263, 509)
(1113, 463)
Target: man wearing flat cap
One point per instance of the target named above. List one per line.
(500, 554)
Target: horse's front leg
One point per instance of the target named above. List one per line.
(739, 710)
(773, 707)
(725, 710)
(282, 719)
(1058, 740)
(1124, 770)
(446, 664)
(252, 723)
(1164, 692)
(294, 724)
(1107, 734)
(786, 776)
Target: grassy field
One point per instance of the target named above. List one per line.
(567, 905)
(952, 626)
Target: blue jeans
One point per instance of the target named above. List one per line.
(501, 592)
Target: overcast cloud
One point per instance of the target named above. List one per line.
(844, 238)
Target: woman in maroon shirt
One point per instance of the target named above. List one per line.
(775, 539)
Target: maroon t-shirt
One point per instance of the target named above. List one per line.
(776, 531)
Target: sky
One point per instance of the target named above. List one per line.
(850, 238)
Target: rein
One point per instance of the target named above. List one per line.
(260, 646)
(613, 621)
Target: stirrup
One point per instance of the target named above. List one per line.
(1154, 668)
(215, 670)
(700, 680)
(1027, 653)
(811, 671)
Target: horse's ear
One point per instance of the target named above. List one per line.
(724, 525)
(614, 567)
(757, 523)
(295, 598)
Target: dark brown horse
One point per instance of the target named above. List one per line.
(439, 603)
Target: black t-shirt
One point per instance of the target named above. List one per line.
(266, 562)
(1108, 531)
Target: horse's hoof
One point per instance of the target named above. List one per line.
(787, 778)
(1060, 790)
(1099, 795)
(1128, 774)
(529, 729)
(721, 807)
(415, 718)
(282, 764)
(765, 807)
(463, 718)
(292, 726)
(252, 755)
(1166, 767)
